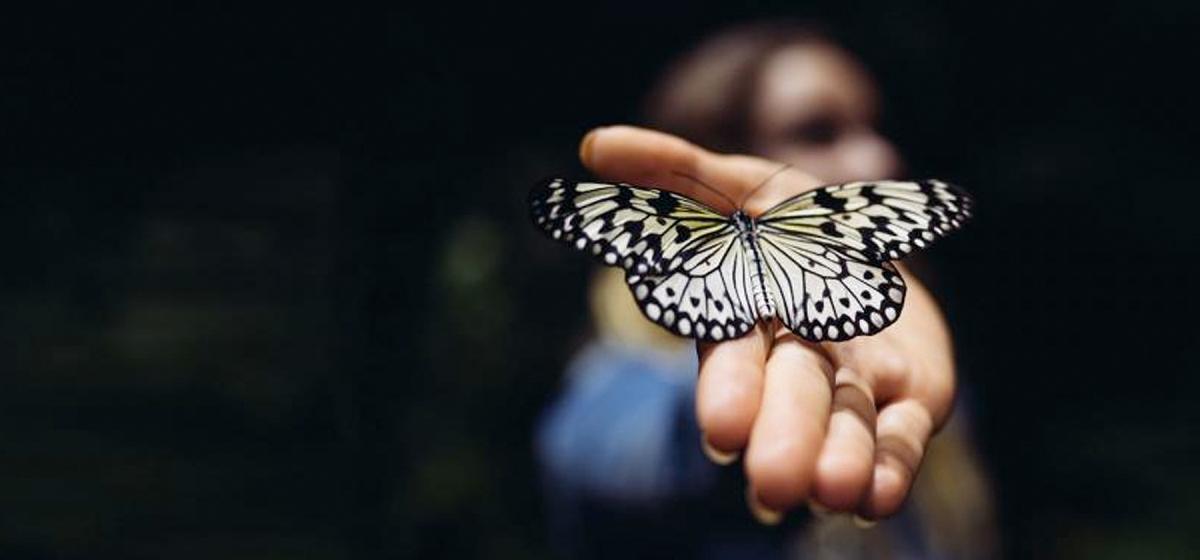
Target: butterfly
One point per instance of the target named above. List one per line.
(818, 261)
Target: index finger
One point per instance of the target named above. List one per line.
(651, 158)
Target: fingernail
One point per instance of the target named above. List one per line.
(716, 455)
(818, 510)
(863, 523)
(762, 513)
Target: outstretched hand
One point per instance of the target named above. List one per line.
(841, 424)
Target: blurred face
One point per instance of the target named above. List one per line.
(816, 109)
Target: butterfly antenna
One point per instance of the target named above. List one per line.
(764, 182)
(709, 187)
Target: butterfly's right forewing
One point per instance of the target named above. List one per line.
(638, 229)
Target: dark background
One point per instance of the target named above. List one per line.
(269, 289)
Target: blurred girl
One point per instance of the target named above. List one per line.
(620, 447)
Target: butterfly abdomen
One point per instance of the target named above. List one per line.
(748, 233)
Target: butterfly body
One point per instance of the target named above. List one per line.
(818, 261)
(747, 232)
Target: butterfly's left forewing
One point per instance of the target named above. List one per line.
(873, 220)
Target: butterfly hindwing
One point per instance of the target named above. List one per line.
(822, 293)
(707, 297)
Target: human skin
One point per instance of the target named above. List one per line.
(841, 424)
(816, 108)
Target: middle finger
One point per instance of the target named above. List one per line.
(790, 427)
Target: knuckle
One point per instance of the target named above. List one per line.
(874, 358)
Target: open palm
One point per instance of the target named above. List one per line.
(844, 424)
